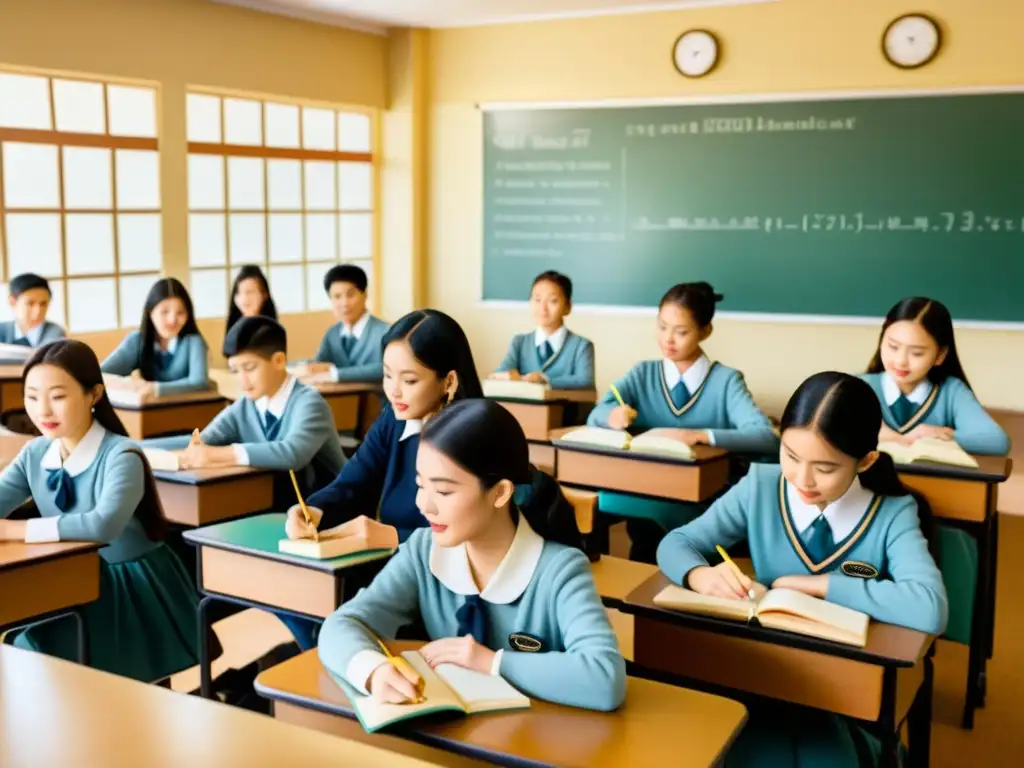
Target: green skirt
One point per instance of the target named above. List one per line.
(668, 514)
(958, 561)
(143, 626)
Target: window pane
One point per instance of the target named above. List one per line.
(286, 237)
(282, 125)
(34, 244)
(140, 242)
(79, 106)
(92, 305)
(356, 236)
(30, 176)
(207, 240)
(354, 132)
(317, 128)
(284, 182)
(247, 238)
(55, 314)
(319, 186)
(132, 111)
(321, 243)
(24, 101)
(90, 243)
(203, 117)
(209, 292)
(243, 122)
(355, 186)
(245, 184)
(133, 290)
(138, 179)
(316, 296)
(205, 182)
(87, 181)
(286, 283)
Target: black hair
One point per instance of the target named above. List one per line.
(936, 320)
(79, 361)
(346, 273)
(487, 441)
(698, 298)
(26, 282)
(562, 281)
(439, 343)
(250, 272)
(166, 288)
(259, 335)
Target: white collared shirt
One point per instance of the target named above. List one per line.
(172, 345)
(412, 427)
(33, 336)
(556, 339)
(276, 405)
(692, 379)
(843, 514)
(891, 391)
(357, 328)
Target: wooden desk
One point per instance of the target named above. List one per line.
(882, 684)
(174, 413)
(538, 418)
(657, 725)
(11, 396)
(617, 577)
(195, 497)
(110, 721)
(10, 447)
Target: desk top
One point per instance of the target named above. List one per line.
(11, 371)
(208, 476)
(704, 453)
(990, 469)
(169, 401)
(888, 645)
(16, 553)
(702, 726)
(110, 721)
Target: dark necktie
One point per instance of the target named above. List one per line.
(162, 359)
(818, 540)
(472, 619)
(680, 394)
(545, 351)
(902, 410)
(60, 482)
(347, 344)
(22, 342)
(271, 425)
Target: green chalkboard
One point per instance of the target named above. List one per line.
(810, 207)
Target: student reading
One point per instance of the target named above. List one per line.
(484, 574)
(167, 350)
(91, 483)
(250, 297)
(700, 401)
(30, 300)
(832, 500)
(552, 353)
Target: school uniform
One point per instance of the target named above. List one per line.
(143, 625)
(356, 353)
(181, 368)
(36, 337)
(565, 359)
(542, 593)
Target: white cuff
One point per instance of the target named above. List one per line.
(496, 664)
(711, 436)
(42, 530)
(363, 664)
(241, 455)
(335, 376)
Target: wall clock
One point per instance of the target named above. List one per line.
(911, 41)
(695, 53)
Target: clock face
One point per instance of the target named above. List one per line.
(695, 53)
(912, 41)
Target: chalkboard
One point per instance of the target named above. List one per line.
(818, 206)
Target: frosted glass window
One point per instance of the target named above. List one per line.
(138, 179)
(89, 238)
(34, 244)
(282, 125)
(31, 178)
(92, 305)
(317, 128)
(319, 186)
(287, 286)
(316, 296)
(245, 184)
(140, 241)
(133, 291)
(356, 236)
(5, 307)
(285, 237)
(55, 314)
(354, 132)
(209, 291)
(247, 238)
(243, 122)
(203, 118)
(207, 240)
(24, 101)
(284, 185)
(79, 106)
(355, 186)
(87, 182)
(321, 242)
(205, 182)
(132, 111)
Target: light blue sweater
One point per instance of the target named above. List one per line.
(185, 371)
(571, 367)
(908, 590)
(365, 361)
(51, 332)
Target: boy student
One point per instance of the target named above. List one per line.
(30, 299)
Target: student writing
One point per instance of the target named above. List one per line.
(30, 300)
(250, 296)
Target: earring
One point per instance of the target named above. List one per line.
(93, 409)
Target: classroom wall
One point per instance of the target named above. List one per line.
(793, 45)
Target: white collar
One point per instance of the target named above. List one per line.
(450, 566)
(693, 377)
(32, 336)
(412, 427)
(556, 339)
(79, 459)
(172, 345)
(842, 515)
(357, 328)
(892, 392)
(277, 403)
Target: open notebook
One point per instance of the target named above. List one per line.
(15, 353)
(653, 442)
(337, 546)
(785, 609)
(448, 688)
(160, 459)
(518, 390)
(929, 449)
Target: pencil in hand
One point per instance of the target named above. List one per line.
(302, 504)
(736, 568)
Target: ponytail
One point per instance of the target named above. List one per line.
(546, 509)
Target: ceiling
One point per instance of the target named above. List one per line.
(377, 15)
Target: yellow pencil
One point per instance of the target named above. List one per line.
(726, 558)
(305, 510)
(618, 396)
(397, 662)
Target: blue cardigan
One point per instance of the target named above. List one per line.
(571, 367)
(365, 361)
(185, 371)
(51, 332)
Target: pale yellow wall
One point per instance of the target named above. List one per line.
(792, 45)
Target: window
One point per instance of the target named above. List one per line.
(80, 195)
(287, 186)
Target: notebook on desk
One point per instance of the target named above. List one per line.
(930, 449)
(159, 459)
(336, 546)
(516, 390)
(15, 353)
(653, 442)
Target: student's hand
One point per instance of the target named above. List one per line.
(536, 377)
(719, 581)
(144, 388)
(295, 526)
(383, 535)
(815, 586)
(922, 431)
(12, 530)
(460, 651)
(501, 375)
(390, 686)
(621, 417)
(312, 369)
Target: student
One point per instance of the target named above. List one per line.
(699, 401)
(484, 573)
(552, 353)
(167, 350)
(833, 499)
(29, 299)
(91, 483)
(250, 296)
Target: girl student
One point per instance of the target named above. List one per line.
(91, 483)
(500, 589)
(700, 402)
(167, 350)
(250, 296)
(833, 501)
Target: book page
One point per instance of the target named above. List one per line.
(524, 390)
(901, 454)
(677, 598)
(780, 607)
(160, 459)
(658, 444)
(375, 715)
(16, 352)
(597, 436)
(481, 692)
(325, 549)
(942, 451)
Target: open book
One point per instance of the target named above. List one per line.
(929, 449)
(785, 609)
(160, 459)
(448, 688)
(653, 442)
(15, 353)
(517, 390)
(336, 546)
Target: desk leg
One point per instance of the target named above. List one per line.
(919, 720)
(83, 636)
(980, 623)
(889, 728)
(993, 556)
(205, 628)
